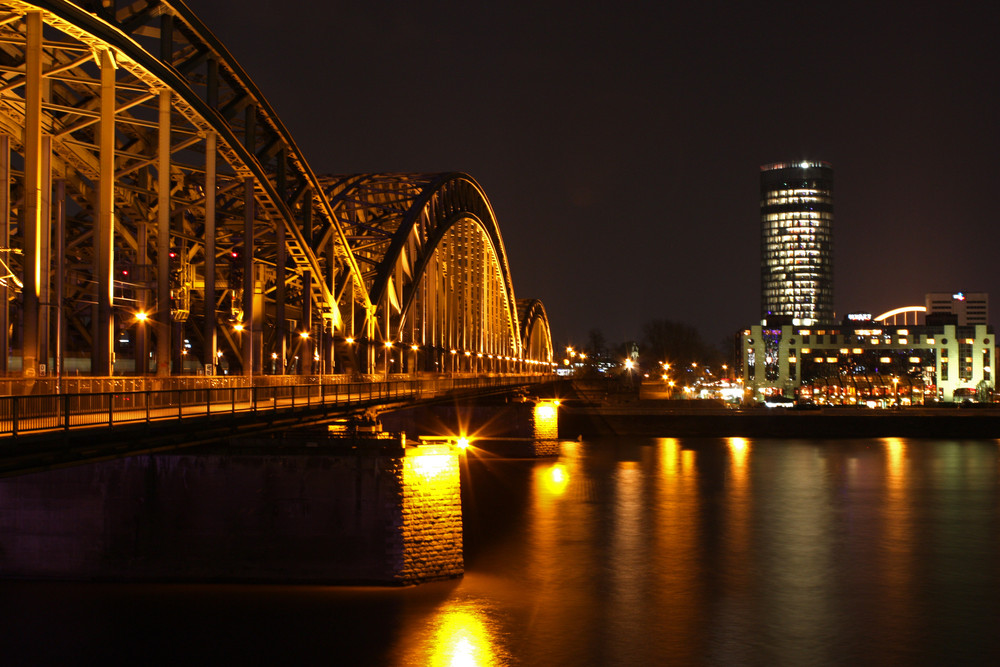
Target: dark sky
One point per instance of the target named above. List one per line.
(620, 143)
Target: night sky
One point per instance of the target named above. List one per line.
(620, 143)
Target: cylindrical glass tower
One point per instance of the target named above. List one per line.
(796, 242)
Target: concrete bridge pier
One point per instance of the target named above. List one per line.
(520, 428)
(313, 511)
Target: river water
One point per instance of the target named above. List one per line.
(623, 551)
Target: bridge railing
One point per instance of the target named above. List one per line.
(54, 412)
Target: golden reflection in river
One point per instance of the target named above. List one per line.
(679, 562)
(897, 544)
(560, 574)
(464, 634)
(628, 564)
(556, 478)
(738, 504)
(796, 545)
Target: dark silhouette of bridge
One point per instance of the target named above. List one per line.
(162, 233)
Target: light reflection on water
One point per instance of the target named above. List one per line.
(463, 634)
(632, 551)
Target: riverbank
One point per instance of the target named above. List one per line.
(660, 419)
(601, 407)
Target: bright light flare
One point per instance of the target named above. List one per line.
(141, 316)
(463, 442)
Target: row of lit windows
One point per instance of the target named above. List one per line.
(798, 196)
(815, 290)
(770, 233)
(812, 216)
(794, 252)
(799, 291)
(784, 237)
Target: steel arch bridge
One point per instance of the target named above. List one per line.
(159, 217)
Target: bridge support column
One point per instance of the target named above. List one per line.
(104, 238)
(249, 281)
(209, 332)
(45, 259)
(306, 336)
(59, 348)
(363, 515)
(32, 195)
(6, 255)
(163, 239)
(279, 352)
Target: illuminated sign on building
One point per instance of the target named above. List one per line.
(859, 317)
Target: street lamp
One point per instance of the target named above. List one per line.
(387, 347)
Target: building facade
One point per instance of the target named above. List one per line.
(796, 212)
(969, 308)
(869, 363)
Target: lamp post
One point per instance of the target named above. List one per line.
(386, 348)
(304, 337)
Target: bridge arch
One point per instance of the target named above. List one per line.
(437, 270)
(536, 337)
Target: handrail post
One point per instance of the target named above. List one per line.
(148, 398)
(65, 402)
(111, 409)
(13, 415)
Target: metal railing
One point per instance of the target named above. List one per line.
(62, 412)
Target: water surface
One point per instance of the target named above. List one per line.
(623, 551)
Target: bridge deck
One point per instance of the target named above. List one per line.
(41, 431)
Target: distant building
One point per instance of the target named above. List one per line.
(796, 213)
(869, 362)
(969, 308)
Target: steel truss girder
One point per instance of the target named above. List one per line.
(172, 58)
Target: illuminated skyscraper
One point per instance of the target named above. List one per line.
(796, 215)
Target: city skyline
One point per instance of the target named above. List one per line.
(620, 150)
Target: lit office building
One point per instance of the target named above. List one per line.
(796, 212)
(968, 308)
(866, 362)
